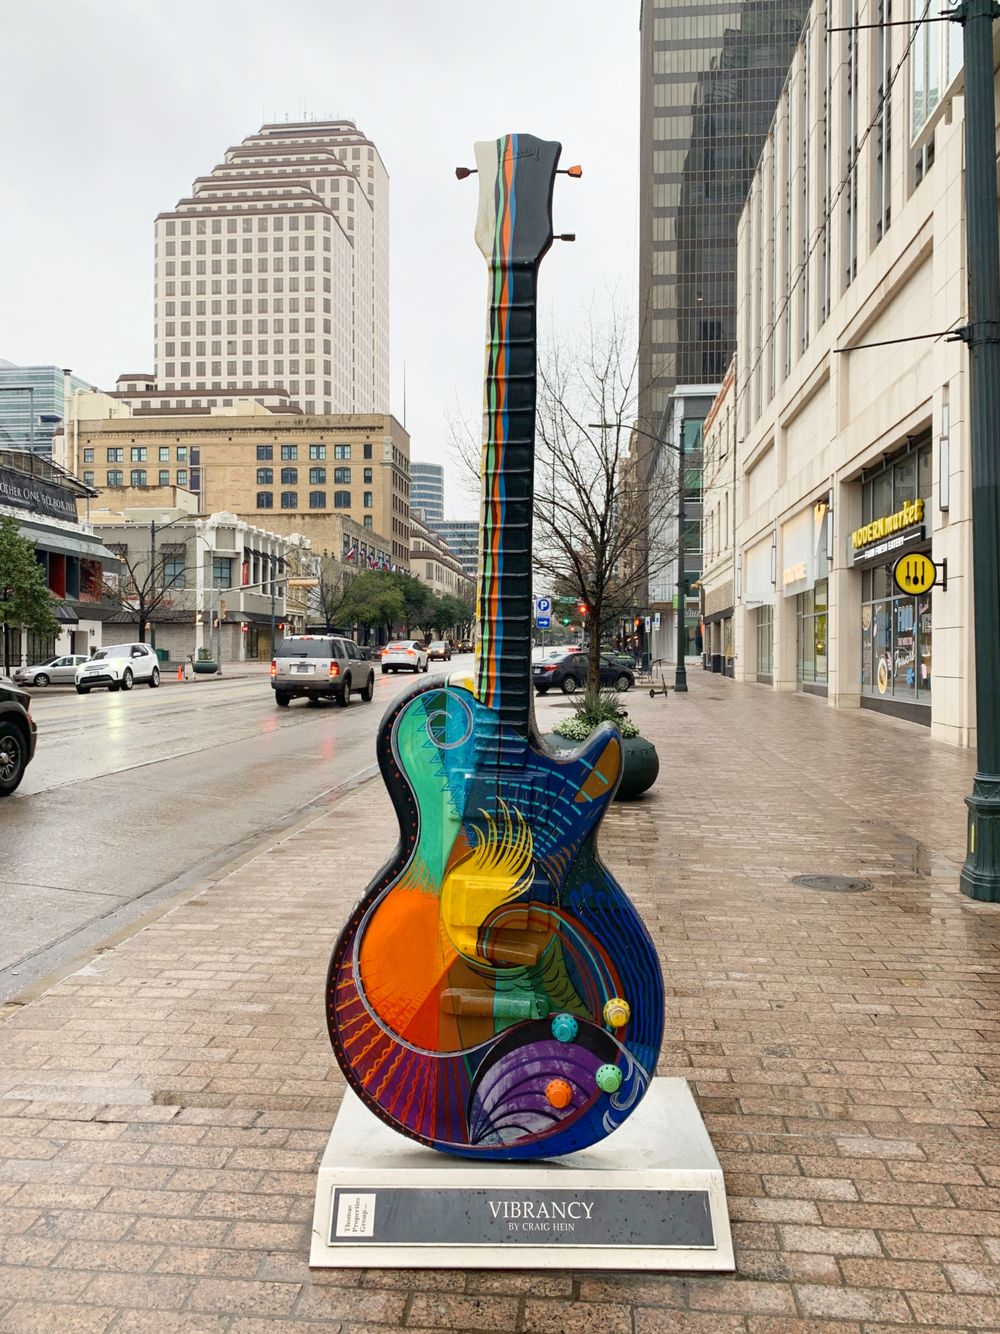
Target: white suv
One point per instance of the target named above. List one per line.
(404, 655)
(119, 667)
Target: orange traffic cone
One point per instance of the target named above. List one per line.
(180, 673)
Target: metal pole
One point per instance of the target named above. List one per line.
(152, 576)
(31, 425)
(680, 673)
(980, 878)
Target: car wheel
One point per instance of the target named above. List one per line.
(427, 665)
(83, 690)
(368, 694)
(344, 698)
(541, 690)
(127, 679)
(622, 682)
(385, 671)
(154, 680)
(114, 685)
(13, 757)
(569, 685)
(41, 680)
(281, 699)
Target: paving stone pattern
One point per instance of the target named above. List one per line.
(164, 1109)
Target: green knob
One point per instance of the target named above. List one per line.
(609, 1078)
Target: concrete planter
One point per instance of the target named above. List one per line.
(642, 764)
(205, 668)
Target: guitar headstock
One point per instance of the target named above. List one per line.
(516, 176)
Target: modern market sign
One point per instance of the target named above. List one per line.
(24, 492)
(889, 534)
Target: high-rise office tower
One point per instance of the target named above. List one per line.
(427, 492)
(274, 271)
(34, 401)
(711, 77)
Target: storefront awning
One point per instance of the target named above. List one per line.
(68, 543)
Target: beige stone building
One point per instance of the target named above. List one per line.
(433, 562)
(333, 478)
(274, 272)
(851, 444)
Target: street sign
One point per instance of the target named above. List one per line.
(543, 622)
(302, 583)
(915, 573)
(543, 606)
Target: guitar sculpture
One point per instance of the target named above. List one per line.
(495, 994)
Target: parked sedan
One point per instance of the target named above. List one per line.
(55, 671)
(568, 672)
(438, 651)
(404, 655)
(17, 736)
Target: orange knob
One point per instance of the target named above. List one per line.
(559, 1093)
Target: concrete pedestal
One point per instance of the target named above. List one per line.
(651, 1196)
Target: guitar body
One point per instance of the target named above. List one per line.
(494, 994)
(494, 918)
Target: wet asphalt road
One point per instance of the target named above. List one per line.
(132, 797)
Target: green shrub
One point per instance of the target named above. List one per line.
(596, 707)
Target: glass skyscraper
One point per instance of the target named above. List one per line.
(34, 401)
(427, 491)
(712, 73)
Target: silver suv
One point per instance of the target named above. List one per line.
(320, 667)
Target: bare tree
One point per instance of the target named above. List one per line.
(144, 586)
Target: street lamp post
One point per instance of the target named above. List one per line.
(680, 670)
(980, 877)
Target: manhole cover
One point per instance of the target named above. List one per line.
(834, 884)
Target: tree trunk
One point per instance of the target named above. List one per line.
(594, 652)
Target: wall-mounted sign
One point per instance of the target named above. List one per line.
(25, 492)
(914, 573)
(889, 534)
(793, 573)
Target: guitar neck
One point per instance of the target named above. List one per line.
(503, 666)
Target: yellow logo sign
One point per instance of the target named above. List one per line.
(914, 574)
(911, 512)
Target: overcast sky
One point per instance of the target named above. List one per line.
(111, 108)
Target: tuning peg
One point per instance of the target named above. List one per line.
(462, 172)
(565, 236)
(576, 172)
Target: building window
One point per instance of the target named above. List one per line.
(341, 451)
(265, 500)
(851, 144)
(163, 477)
(317, 451)
(116, 455)
(317, 500)
(368, 474)
(289, 500)
(883, 123)
(289, 452)
(88, 479)
(811, 613)
(289, 476)
(368, 449)
(342, 476)
(265, 476)
(935, 60)
(264, 453)
(182, 454)
(765, 643)
(174, 567)
(137, 454)
(368, 500)
(163, 453)
(115, 477)
(88, 456)
(137, 477)
(222, 570)
(317, 476)
(368, 521)
(182, 476)
(341, 500)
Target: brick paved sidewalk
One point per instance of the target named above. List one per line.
(163, 1111)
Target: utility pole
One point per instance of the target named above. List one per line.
(680, 672)
(980, 878)
(152, 575)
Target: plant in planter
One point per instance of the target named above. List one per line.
(641, 762)
(205, 664)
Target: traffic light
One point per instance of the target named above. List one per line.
(244, 627)
(565, 620)
(582, 608)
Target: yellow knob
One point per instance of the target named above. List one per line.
(617, 1012)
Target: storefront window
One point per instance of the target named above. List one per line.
(811, 609)
(765, 641)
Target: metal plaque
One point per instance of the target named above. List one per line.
(460, 1216)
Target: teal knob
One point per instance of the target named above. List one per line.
(565, 1027)
(609, 1078)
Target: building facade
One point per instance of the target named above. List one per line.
(433, 562)
(309, 470)
(274, 271)
(33, 403)
(462, 536)
(427, 492)
(711, 73)
(851, 438)
(718, 528)
(41, 499)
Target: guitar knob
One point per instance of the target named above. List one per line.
(617, 1012)
(564, 1027)
(559, 1093)
(609, 1078)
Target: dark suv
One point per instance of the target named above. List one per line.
(320, 667)
(17, 736)
(568, 672)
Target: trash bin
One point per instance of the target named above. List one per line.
(645, 661)
(162, 654)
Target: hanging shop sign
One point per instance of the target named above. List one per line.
(24, 491)
(916, 573)
(889, 534)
